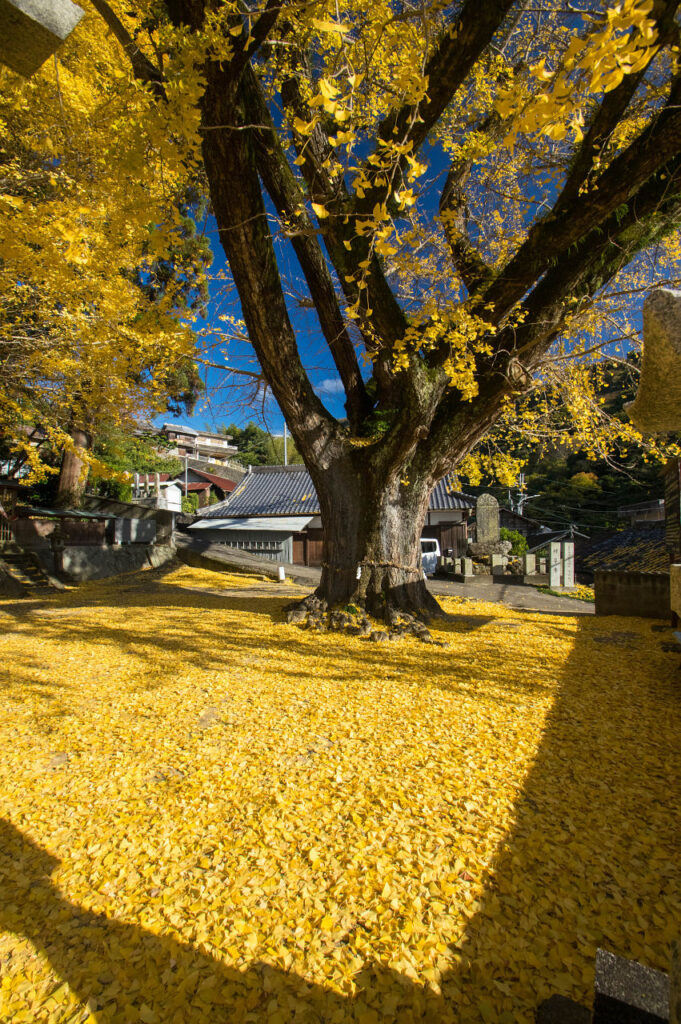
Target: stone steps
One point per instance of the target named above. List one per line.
(25, 568)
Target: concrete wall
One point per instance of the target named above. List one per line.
(85, 562)
(38, 533)
(644, 594)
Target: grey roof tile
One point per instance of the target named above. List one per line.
(288, 490)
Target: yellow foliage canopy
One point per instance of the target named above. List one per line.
(91, 172)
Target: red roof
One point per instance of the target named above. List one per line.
(219, 481)
(196, 487)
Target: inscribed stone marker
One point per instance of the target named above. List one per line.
(568, 564)
(554, 564)
(487, 519)
(657, 406)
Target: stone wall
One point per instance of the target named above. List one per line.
(86, 562)
(644, 594)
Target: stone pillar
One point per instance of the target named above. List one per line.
(497, 565)
(554, 564)
(542, 566)
(30, 32)
(486, 519)
(675, 984)
(456, 564)
(467, 566)
(529, 564)
(626, 992)
(657, 406)
(568, 564)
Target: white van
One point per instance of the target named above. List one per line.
(430, 552)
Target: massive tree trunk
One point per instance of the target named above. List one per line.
(372, 555)
(74, 470)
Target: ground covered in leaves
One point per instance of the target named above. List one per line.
(209, 815)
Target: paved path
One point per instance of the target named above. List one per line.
(482, 588)
(487, 588)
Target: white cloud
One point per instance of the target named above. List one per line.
(330, 386)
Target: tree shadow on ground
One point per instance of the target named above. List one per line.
(591, 859)
(198, 637)
(132, 974)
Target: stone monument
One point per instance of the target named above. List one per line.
(487, 542)
(486, 519)
(554, 564)
(657, 406)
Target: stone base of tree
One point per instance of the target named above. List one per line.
(402, 617)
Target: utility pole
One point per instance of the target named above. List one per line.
(285, 444)
(523, 499)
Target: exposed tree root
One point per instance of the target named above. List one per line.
(314, 613)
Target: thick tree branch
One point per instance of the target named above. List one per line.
(457, 51)
(611, 110)
(229, 157)
(380, 317)
(469, 263)
(258, 34)
(286, 195)
(619, 183)
(654, 212)
(142, 67)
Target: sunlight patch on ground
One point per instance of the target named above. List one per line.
(211, 815)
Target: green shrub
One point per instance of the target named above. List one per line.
(190, 504)
(518, 542)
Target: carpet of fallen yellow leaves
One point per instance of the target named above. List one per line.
(211, 816)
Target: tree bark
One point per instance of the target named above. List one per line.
(73, 472)
(372, 554)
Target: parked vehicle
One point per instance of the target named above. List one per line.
(430, 552)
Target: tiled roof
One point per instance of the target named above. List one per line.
(641, 550)
(270, 491)
(444, 496)
(179, 428)
(220, 481)
(288, 490)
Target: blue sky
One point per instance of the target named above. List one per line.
(233, 399)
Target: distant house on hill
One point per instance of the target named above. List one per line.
(198, 444)
(274, 512)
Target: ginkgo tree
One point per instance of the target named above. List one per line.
(98, 255)
(461, 183)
